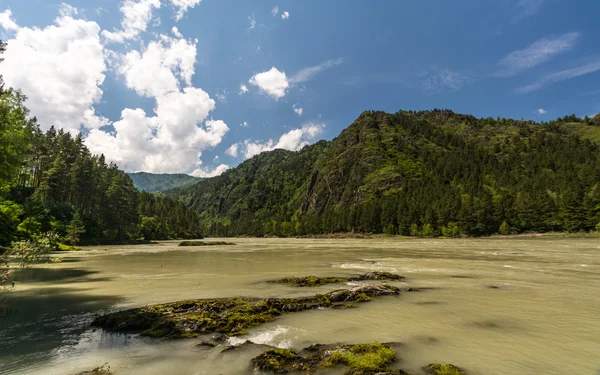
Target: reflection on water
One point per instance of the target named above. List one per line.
(493, 306)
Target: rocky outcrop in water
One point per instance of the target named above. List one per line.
(312, 281)
(231, 316)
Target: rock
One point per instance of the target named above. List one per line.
(312, 281)
(102, 370)
(377, 275)
(228, 316)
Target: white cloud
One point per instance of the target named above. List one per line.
(172, 141)
(293, 140)
(438, 80)
(308, 73)
(299, 110)
(183, 6)
(136, 16)
(244, 124)
(176, 32)
(243, 89)
(7, 22)
(285, 15)
(66, 10)
(527, 8)
(272, 82)
(252, 22)
(541, 111)
(222, 97)
(274, 11)
(201, 172)
(563, 75)
(536, 54)
(60, 68)
(157, 70)
(233, 150)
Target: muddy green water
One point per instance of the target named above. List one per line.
(544, 317)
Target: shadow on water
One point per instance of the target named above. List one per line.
(46, 319)
(55, 275)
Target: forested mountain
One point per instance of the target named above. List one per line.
(414, 173)
(52, 190)
(153, 182)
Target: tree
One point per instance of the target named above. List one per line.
(75, 229)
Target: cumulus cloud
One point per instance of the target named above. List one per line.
(563, 75)
(298, 110)
(202, 172)
(243, 89)
(157, 69)
(535, 54)
(293, 140)
(60, 68)
(7, 22)
(272, 82)
(136, 16)
(171, 141)
(183, 6)
(274, 11)
(285, 15)
(541, 111)
(308, 73)
(66, 10)
(176, 32)
(233, 150)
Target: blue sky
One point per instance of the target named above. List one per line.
(198, 86)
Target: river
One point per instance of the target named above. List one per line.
(497, 306)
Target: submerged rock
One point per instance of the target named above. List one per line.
(230, 316)
(102, 370)
(312, 281)
(203, 243)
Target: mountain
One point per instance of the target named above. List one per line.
(152, 182)
(414, 173)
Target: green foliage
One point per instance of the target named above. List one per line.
(75, 229)
(413, 173)
(451, 230)
(504, 228)
(152, 182)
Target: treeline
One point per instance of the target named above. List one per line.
(53, 189)
(424, 173)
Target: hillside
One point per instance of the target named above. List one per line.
(413, 173)
(152, 182)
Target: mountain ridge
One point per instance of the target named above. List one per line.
(414, 173)
(155, 182)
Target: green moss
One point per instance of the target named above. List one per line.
(202, 243)
(362, 358)
(362, 297)
(63, 247)
(443, 369)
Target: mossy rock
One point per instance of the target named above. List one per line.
(203, 243)
(280, 361)
(310, 281)
(230, 316)
(314, 281)
(443, 369)
(359, 359)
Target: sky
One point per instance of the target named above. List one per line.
(199, 86)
